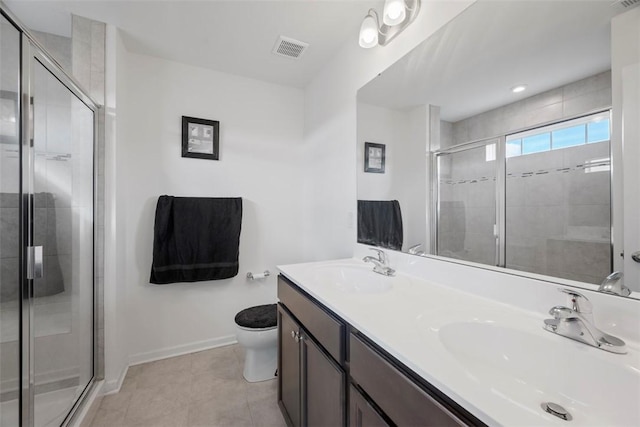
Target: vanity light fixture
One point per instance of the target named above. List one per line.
(369, 30)
(519, 88)
(394, 12)
(397, 15)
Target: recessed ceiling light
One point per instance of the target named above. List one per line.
(518, 89)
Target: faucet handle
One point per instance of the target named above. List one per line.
(560, 312)
(381, 255)
(578, 302)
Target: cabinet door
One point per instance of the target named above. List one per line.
(361, 413)
(324, 387)
(289, 379)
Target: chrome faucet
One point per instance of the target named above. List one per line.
(415, 250)
(612, 284)
(576, 322)
(380, 263)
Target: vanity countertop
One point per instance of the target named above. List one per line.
(494, 359)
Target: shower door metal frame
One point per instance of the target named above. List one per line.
(31, 50)
(500, 224)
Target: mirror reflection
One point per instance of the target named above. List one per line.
(497, 140)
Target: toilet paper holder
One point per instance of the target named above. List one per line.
(251, 276)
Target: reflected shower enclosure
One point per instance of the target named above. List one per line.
(537, 201)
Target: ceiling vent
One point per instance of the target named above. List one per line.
(624, 5)
(291, 48)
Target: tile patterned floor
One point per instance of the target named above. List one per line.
(195, 390)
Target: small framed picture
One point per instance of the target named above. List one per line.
(374, 157)
(200, 138)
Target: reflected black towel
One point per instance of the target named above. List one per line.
(380, 223)
(195, 239)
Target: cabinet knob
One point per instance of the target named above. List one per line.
(296, 336)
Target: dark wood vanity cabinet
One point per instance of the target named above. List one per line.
(311, 384)
(361, 411)
(314, 374)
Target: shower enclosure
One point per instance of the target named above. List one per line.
(46, 235)
(537, 200)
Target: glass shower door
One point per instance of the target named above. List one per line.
(466, 203)
(61, 206)
(9, 224)
(46, 236)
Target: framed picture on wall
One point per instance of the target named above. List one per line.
(200, 138)
(374, 157)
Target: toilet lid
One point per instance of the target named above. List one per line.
(258, 317)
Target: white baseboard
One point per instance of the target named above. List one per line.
(113, 386)
(179, 350)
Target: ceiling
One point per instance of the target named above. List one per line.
(234, 37)
(470, 65)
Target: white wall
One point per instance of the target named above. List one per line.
(261, 132)
(405, 177)
(381, 126)
(330, 130)
(625, 138)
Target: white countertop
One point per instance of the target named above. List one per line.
(506, 365)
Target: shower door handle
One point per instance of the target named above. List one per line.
(34, 262)
(636, 256)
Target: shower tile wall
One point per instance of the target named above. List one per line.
(558, 213)
(573, 99)
(88, 67)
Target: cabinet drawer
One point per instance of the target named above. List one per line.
(400, 398)
(324, 327)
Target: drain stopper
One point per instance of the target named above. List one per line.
(556, 410)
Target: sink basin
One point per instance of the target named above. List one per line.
(354, 279)
(529, 369)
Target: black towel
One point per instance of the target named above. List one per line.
(195, 239)
(380, 223)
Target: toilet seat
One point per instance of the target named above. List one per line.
(255, 329)
(260, 317)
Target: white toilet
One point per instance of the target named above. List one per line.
(257, 332)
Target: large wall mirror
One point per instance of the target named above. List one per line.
(492, 142)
